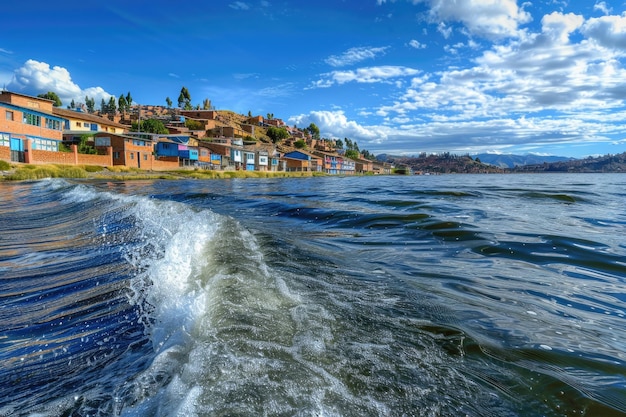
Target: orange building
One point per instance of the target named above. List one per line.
(27, 122)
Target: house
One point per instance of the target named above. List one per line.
(127, 151)
(188, 155)
(200, 114)
(363, 166)
(224, 153)
(336, 164)
(301, 161)
(78, 123)
(255, 120)
(205, 157)
(28, 122)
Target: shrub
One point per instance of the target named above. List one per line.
(4, 166)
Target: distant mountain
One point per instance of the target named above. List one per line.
(512, 161)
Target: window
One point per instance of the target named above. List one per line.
(132, 155)
(5, 139)
(53, 124)
(9, 115)
(145, 156)
(79, 124)
(32, 119)
(45, 144)
(116, 155)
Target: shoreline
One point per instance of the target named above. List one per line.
(26, 172)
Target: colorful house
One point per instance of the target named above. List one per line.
(78, 123)
(28, 122)
(301, 161)
(127, 151)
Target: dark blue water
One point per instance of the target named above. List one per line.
(493, 295)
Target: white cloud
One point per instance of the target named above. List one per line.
(485, 18)
(365, 75)
(36, 77)
(416, 44)
(608, 31)
(559, 26)
(335, 124)
(564, 85)
(602, 7)
(355, 55)
(239, 5)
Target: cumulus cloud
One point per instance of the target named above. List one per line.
(485, 18)
(36, 77)
(335, 124)
(608, 31)
(367, 75)
(355, 55)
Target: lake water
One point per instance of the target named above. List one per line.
(459, 295)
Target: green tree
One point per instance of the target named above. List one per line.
(314, 131)
(90, 103)
(184, 99)
(352, 154)
(121, 103)
(169, 102)
(51, 95)
(194, 124)
(112, 107)
(339, 144)
(129, 100)
(84, 147)
(151, 126)
(206, 104)
(277, 134)
(72, 105)
(300, 144)
(104, 108)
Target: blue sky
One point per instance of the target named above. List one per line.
(397, 76)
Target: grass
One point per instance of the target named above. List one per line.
(25, 172)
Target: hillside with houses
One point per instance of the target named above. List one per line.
(160, 138)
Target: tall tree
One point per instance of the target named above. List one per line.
(104, 108)
(90, 103)
(129, 100)
(121, 103)
(168, 101)
(314, 131)
(206, 104)
(51, 95)
(184, 99)
(112, 108)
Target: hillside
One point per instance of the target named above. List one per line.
(606, 163)
(511, 161)
(442, 164)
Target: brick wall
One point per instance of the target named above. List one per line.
(5, 153)
(165, 164)
(38, 156)
(102, 160)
